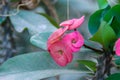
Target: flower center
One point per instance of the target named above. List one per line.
(74, 41)
(60, 52)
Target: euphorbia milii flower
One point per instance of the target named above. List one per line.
(74, 41)
(73, 24)
(57, 35)
(117, 47)
(61, 54)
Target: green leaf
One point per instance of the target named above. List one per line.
(89, 64)
(94, 21)
(117, 60)
(105, 35)
(40, 40)
(115, 76)
(2, 19)
(33, 66)
(34, 22)
(115, 23)
(102, 4)
(114, 11)
(14, 0)
(50, 19)
(116, 26)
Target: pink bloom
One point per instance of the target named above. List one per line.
(74, 41)
(73, 24)
(57, 35)
(117, 47)
(60, 53)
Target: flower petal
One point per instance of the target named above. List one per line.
(63, 58)
(73, 23)
(56, 35)
(79, 41)
(117, 47)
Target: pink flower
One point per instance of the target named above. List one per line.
(73, 24)
(117, 47)
(57, 35)
(74, 41)
(61, 54)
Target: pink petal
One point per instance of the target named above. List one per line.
(77, 23)
(56, 35)
(80, 40)
(117, 47)
(73, 23)
(61, 59)
(74, 36)
(67, 23)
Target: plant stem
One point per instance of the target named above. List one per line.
(104, 66)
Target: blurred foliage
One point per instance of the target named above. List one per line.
(30, 22)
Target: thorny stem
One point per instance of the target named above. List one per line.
(104, 66)
(104, 63)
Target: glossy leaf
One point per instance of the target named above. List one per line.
(89, 64)
(94, 21)
(115, 76)
(40, 40)
(34, 22)
(115, 22)
(105, 35)
(31, 67)
(102, 4)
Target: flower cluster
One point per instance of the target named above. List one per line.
(62, 45)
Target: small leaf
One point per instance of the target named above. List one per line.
(115, 76)
(89, 64)
(102, 4)
(105, 35)
(40, 40)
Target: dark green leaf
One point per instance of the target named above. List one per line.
(94, 21)
(33, 66)
(102, 4)
(115, 76)
(14, 0)
(114, 13)
(116, 26)
(105, 35)
(89, 64)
